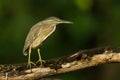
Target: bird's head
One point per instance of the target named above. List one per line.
(56, 20)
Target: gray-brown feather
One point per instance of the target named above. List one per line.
(37, 34)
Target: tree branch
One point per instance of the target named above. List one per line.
(72, 62)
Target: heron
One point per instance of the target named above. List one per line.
(37, 34)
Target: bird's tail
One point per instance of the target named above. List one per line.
(25, 51)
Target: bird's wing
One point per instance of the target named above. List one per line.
(44, 32)
(37, 34)
(32, 35)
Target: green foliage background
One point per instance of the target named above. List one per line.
(96, 24)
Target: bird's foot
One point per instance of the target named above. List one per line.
(30, 63)
(41, 62)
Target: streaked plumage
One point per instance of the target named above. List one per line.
(39, 32)
(37, 35)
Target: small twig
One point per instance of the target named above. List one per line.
(72, 62)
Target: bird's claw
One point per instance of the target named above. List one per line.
(30, 63)
(40, 61)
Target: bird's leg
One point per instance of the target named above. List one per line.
(29, 60)
(40, 59)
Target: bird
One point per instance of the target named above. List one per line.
(37, 34)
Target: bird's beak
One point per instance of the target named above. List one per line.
(64, 21)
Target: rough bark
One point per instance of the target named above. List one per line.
(79, 60)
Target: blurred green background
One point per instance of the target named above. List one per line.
(96, 24)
